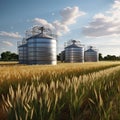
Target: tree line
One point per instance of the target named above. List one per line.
(9, 56)
(108, 57)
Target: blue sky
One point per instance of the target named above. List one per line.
(93, 22)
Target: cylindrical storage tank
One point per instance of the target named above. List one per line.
(74, 53)
(42, 50)
(25, 53)
(22, 50)
(91, 55)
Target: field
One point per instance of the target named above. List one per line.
(67, 91)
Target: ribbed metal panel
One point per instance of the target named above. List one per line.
(91, 55)
(22, 50)
(74, 54)
(41, 50)
(38, 47)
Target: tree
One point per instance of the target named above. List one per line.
(100, 57)
(8, 56)
(111, 57)
(58, 57)
(14, 56)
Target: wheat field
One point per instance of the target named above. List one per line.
(67, 91)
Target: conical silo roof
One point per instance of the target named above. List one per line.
(73, 46)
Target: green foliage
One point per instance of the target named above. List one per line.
(8, 56)
(100, 57)
(109, 57)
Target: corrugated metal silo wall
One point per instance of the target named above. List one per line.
(25, 54)
(91, 56)
(42, 51)
(22, 51)
(74, 54)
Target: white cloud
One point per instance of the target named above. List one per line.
(43, 22)
(69, 16)
(60, 28)
(107, 24)
(10, 34)
(6, 43)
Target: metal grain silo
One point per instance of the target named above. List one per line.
(22, 51)
(91, 55)
(21, 54)
(74, 52)
(42, 48)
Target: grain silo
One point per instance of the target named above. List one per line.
(22, 50)
(91, 54)
(74, 51)
(41, 46)
(22, 53)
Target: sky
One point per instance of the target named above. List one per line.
(93, 22)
